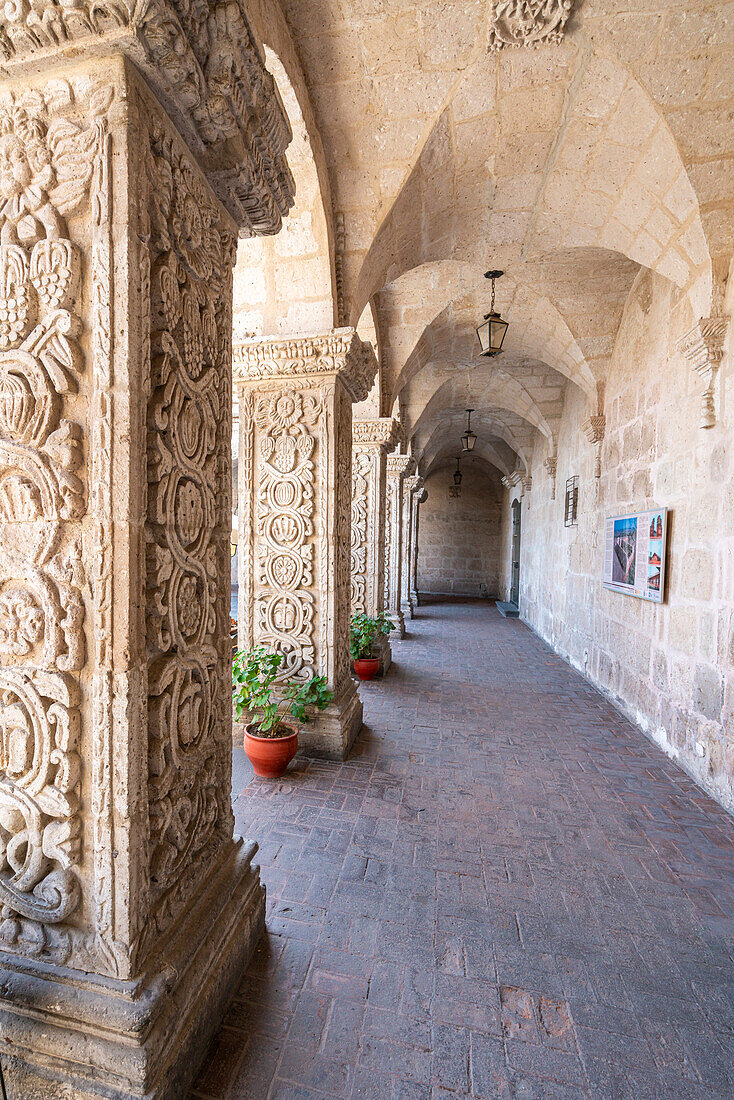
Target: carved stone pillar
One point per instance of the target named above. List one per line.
(128, 910)
(420, 496)
(411, 486)
(398, 467)
(295, 488)
(371, 440)
(703, 347)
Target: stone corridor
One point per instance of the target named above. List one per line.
(505, 892)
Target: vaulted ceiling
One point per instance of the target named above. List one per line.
(572, 166)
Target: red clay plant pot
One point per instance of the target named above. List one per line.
(270, 756)
(367, 667)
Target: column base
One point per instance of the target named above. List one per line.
(384, 652)
(408, 609)
(397, 617)
(331, 734)
(80, 1036)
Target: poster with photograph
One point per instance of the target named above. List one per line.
(634, 554)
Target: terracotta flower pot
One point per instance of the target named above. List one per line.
(270, 756)
(367, 667)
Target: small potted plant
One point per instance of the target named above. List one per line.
(271, 738)
(363, 632)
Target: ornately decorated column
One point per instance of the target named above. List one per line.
(128, 910)
(418, 497)
(371, 440)
(295, 489)
(398, 467)
(411, 486)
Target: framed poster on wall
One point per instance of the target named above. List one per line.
(634, 554)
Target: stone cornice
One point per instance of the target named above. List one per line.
(340, 352)
(400, 465)
(380, 431)
(204, 66)
(517, 477)
(703, 347)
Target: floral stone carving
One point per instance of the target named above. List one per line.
(527, 22)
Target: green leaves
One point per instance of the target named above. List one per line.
(254, 689)
(363, 631)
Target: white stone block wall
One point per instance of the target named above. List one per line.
(459, 540)
(670, 667)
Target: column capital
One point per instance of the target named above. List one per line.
(206, 69)
(703, 347)
(400, 465)
(340, 352)
(414, 483)
(379, 431)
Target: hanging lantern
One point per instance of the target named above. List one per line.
(457, 472)
(468, 439)
(492, 333)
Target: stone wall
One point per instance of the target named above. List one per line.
(670, 667)
(458, 547)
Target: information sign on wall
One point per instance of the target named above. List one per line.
(634, 554)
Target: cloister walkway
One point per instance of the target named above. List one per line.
(507, 891)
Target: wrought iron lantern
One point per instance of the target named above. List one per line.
(492, 333)
(469, 438)
(457, 472)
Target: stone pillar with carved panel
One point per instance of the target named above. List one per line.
(371, 440)
(411, 485)
(128, 909)
(418, 497)
(398, 467)
(295, 491)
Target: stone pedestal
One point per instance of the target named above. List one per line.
(371, 440)
(398, 467)
(295, 488)
(128, 908)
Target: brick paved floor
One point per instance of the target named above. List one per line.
(507, 891)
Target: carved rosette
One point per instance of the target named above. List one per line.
(703, 347)
(527, 22)
(371, 438)
(295, 503)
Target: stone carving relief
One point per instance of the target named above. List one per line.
(208, 71)
(39, 804)
(703, 347)
(388, 552)
(527, 22)
(361, 470)
(190, 255)
(49, 148)
(289, 422)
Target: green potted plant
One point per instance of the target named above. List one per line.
(271, 737)
(363, 632)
